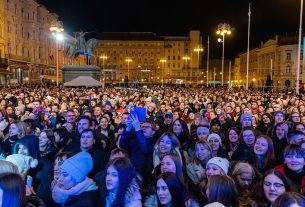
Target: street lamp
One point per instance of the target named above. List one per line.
(163, 61)
(128, 60)
(297, 89)
(186, 58)
(103, 57)
(56, 29)
(223, 29)
(198, 50)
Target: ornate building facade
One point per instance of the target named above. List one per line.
(276, 58)
(27, 47)
(148, 57)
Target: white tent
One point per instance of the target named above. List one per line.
(87, 81)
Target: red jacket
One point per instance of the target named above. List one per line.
(280, 169)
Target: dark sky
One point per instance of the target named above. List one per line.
(172, 17)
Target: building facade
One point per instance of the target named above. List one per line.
(147, 57)
(27, 47)
(276, 58)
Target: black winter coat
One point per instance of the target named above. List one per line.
(85, 199)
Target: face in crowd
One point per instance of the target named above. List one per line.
(261, 146)
(163, 192)
(202, 152)
(248, 137)
(273, 187)
(82, 125)
(165, 145)
(112, 179)
(233, 136)
(87, 140)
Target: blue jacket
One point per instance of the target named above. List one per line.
(140, 150)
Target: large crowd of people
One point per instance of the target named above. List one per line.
(207, 147)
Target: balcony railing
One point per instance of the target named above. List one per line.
(20, 58)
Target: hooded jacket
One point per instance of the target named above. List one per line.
(31, 142)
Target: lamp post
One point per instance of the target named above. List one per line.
(163, 61)
(186, 58)
(128, 60)
(56, 29)
(103, 57)
(223, 29)
(299, 50)
(198, 50)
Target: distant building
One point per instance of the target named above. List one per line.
(277, 58)
(27, 47)
(148, 57)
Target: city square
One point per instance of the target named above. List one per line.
(131, 104)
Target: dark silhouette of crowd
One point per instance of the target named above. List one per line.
(82, 147)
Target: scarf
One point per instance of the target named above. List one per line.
(60, 195)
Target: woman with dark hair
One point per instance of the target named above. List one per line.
(12, 190)
(181, 130)
(264, 153)
(293, 167)
(3, 123)
(232, 140)
(222, 189)
(272, 186)
(265, 124)
(171, 192)
(289, 199)
(121, 187)
(244, 151)
(61, 136)
(279, 139)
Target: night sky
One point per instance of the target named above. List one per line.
(169, 17)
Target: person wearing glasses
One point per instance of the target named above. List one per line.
(274, 184)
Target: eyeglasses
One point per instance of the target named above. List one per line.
(290, 156)
(275, 185)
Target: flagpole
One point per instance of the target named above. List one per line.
(248, 48)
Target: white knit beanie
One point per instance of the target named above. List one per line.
(214, 204)
(220, 162)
